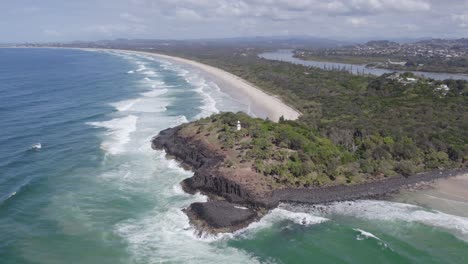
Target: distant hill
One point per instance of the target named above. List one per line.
(280, 42)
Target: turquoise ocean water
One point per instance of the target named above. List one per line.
(97, 193)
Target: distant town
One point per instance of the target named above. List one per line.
(434, 55)
(437, 55)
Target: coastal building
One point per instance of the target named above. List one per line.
(239, 127)
(443, 88)
(401, 63)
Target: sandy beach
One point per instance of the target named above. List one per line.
(262, 104)
(449, 195)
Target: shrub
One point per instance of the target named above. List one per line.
(405, 168)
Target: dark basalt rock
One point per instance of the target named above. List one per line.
(359, 191)
(204, 161)
(220, 215)
(192, 154)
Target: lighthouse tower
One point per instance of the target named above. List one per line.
(239, 127)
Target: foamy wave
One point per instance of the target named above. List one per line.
(6, 197)
(125, 105)
(177, 189)
(157, 84)
(158, 229)
(118, 133)
(364, 234)
(141, 68)
(180, 120)
(391, 211)
(203, 88)
(150, 73)
(276, 215)
(160, 236)
(155, 93)
(166, 64)
(182, 72)
(279, 214)
(147, 104)
(151, 105)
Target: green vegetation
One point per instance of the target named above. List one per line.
(352, 127)
(415, 63)
(292, 153)
(288, 151)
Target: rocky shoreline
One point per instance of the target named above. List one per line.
(236, 202)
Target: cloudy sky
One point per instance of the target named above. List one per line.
(66, 20)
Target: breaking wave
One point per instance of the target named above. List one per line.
(117, 134)
(392, 211)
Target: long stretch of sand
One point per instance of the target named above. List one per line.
(261, 104)
(449, 195)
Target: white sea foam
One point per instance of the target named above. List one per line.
(205, 91)
(150, 73)
(177, 189)
(36, 146)
(141, 68)
(160, 237)
(157, 233)
(156, 84)
(364, 234)
(150, 105)
(125, 105)
(179, 120)
(391, 211)
(155, 93)
(182, 72)
(278, 215)
(166, 65)
(118, 133)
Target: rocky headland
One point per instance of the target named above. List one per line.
(239, 193)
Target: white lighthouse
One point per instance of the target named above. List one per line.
(239, 127)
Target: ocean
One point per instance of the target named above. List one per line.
(79, 182)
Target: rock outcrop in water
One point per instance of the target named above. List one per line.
(220, 216)
(239, 195)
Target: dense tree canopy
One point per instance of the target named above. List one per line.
(353, 125)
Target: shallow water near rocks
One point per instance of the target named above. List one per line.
(95, 192)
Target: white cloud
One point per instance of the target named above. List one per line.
(374, 7)
(187, 14)
(461, 19)
(112, 30)
(357, 21)
(51, 33)
(410, 27)
(131, 18)
(283, 9)
(224, 18)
